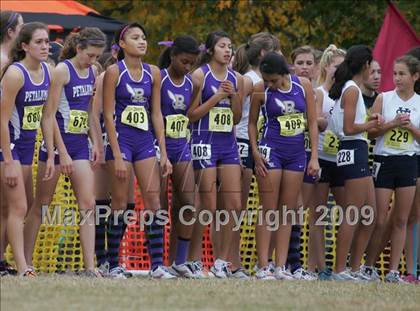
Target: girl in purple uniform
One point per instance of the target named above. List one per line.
(11, 23)
(247, 60)
(177, 92)
(214, 148)
(24, 88)
(280, 157)
(107, 246)
(67, 125)
(132, 94)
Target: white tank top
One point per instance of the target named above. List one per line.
(337, 118)
(242, 126)
(398, 141)
(328, 141)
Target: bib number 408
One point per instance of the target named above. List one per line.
(201, 151)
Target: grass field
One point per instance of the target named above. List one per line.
(73, 293)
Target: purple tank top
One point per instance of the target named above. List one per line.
(202, 132)
(26, 115)
(285, 104)
(74, 101)
(133, 104)
(175, 101)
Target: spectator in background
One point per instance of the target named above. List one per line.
(54, 53)
(317, 69)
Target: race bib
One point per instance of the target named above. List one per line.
(220, 119)
(176, 126)
(291, 124)
(135, 116)
(260, 123)
(157, 150)
(375, 169)
(345, 157)
(265, 151)
(331, 142)
(243, 150)
(32, 117)
(78, 123)
(399, 138)
(201, 151)
(105, 139)
(308, 145)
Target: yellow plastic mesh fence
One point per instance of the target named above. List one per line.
(58, 246)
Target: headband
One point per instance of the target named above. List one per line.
(124, 31)
(166, 43)
(11, 19)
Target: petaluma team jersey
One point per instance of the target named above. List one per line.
(27, 112)
(398, 141)
(72, 114)
(216, 127)
(175, 102)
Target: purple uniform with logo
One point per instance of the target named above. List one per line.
(284, 151)
(26, 115)
(213, 138)
(176, 100)
(132, 115)
(72, 114)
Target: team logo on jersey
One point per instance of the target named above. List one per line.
(287, 106)
(177, 101)
(83, 90)
(403, 110)
(137, 94)
(36, 95)
(224, 101)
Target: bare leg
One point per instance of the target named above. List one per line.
(16, 199)
(269, 187)
(43, 197)
(289, 191)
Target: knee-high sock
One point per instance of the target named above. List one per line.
(155, 236)
(130, 207)
(114, 239)
(100, 231)
(293, 257)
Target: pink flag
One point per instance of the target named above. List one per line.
(395, 39)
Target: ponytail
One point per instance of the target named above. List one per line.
(241, 62)
(8, 20)
(165, 58)
(249, 54)
(327, 58)
(341, 76)
(25, 36)
(181, 44)
(120, 35)
(89, 36)
(356, 58)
